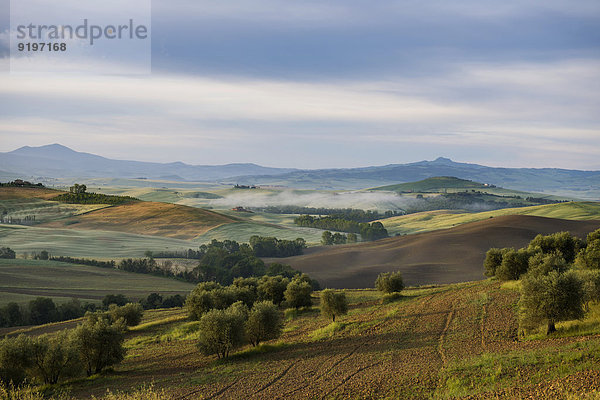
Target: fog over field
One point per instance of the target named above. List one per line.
(361, 200)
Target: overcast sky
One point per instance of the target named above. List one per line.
(344, 83)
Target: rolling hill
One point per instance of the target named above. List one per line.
(443, 256)
(147, 218)
(436, 184)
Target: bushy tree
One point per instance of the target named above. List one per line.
(298, 291)
(550, 298)
(389, 282)
(221, 331)
(272, 288)
(153, 301)
(542, 264)
(99, 343)
(131, 313)
(173, 301)
(327, 238)
(7, 252)
(15, 359)
(42, 310)
(493, 260)
(591, 287)
(351, 238)
(589, 256)
(514, 264)
(54, 357)
(563, 242)
(333, 303)
(264, 323)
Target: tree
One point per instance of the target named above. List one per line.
(589, 257)
(77, 189)
(44, 255)
(550, 298)
(389, 282)
(117, 299)
(153, 301)
(264, 323)
(7, 252)
(222, 330)
(298, 291)
(70, 310)
(542, 264)
(42, 310)
(562, 242)
(493, 259)
(272, 288)
(15, 359)
(173, 301)
(327, 238)
(54, 356)
(99, 343)
(514, 264)
(131, 313)
(333, 304)
(351, 238)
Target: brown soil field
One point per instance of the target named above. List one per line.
(147, 218)
(439, 257)
(8, 193)
(406, 349)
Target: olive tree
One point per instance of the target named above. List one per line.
(514, 264)
(298, 292)
(272, 288)
(99, 343)
(15, 359)
(131, 313)
(222, 330)
(264, 323)
(389, 282)
(333, 303)
(550, 298)
(54, 357)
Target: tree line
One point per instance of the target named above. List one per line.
(368, 232)
(351, 214)
(559, 273)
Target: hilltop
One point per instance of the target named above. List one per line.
(443, 256)
(436, 184)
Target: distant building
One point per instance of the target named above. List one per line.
(240, 209)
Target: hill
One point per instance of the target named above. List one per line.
(436, 184)
(147, 218)
(562, 182)
(444, 256)
(24, 280)
(442, 342)
(59, 161)
(443, 219)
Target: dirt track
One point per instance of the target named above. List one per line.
(445, 256)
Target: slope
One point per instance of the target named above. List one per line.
(147, 218)
(444, 256)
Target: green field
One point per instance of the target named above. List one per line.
(444, 219)
(43, 210)
(86, 243)
(242, 231)
(24, 280)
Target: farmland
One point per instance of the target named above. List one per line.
(24, 280)
(437, 342)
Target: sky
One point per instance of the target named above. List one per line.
(342, 83)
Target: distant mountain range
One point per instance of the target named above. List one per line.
(58, 161)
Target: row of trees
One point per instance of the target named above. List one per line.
(78, 195)
(273, 247)
(367, 231)
(328, 238)
(351, 214)
(560, 276)
(7, 253)
(94, 345)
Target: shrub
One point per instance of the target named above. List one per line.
(117, 299)
(131, 313)
(264, 323)
(389, 282)
(221, 331)
(7, 252)
(333, 304)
